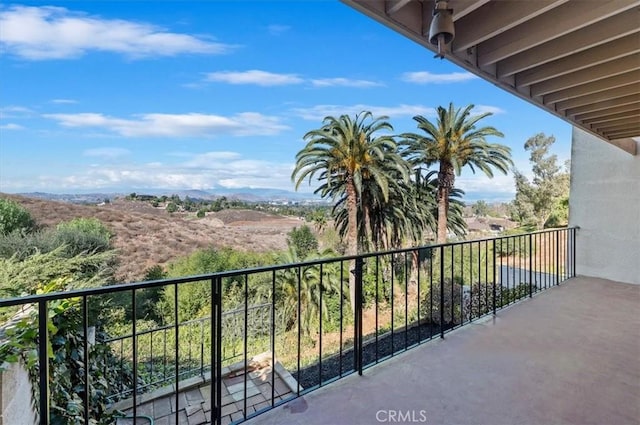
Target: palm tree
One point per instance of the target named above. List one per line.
(454, 142)
(426, 191)
(352, 161)
(303, 290)
(382, 221)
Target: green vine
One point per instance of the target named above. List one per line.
(65, 348)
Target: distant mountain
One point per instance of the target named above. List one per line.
(74, 198)
(246, 194)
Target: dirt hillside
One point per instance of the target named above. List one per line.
(145, 236)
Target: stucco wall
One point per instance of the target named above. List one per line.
(605, 203)
(15, 397)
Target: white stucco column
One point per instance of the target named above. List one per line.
(605, 203)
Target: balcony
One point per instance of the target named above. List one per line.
(469, 332)
(569, 355)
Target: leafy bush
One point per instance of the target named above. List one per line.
(194, 298)
(19, 277)
(172, 207)
(14, 217)
(66, 362)
(201, 213)
(451, 301)
(303, 241)
(20, 245)
(518, 246)
(83, 235)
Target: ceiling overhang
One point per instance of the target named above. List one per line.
(578, 59)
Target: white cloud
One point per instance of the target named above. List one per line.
(64, 101)
(276, 29)
(318, 112)
(11, 126)
(13, 111)
(254, 76)
(39, 33)
(425, 77)
(200, 171)
(107, 153)
(481, 109)
(480, 183)
(211, 159)
(344, 82)
(176, 125)
(266, 79)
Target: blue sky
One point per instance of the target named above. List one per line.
(117, 95)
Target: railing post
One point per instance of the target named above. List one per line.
(358, 315)
(43, 358)
(442, 291)
(216, 351)
(494, 276)
(134, 354)
(573, 252)
(557, 232)
(530, 265)
(85, 355)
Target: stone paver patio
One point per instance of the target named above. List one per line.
(194, 397)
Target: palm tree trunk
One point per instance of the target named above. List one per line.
(352, 237)
(446, 179)
(415, 263)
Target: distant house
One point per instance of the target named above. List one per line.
(488, 225)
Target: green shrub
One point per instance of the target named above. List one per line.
(172, 207)
(20, 245)
(201, 213)
(19, 277)
(83, 235)
(516, 245)
(66, 362)
(303, 241)
(14, 217)
(194, 299)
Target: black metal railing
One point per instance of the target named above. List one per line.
(302, 316)
(152, 356)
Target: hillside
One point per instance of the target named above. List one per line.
(146, 236)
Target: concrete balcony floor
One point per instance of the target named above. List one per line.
(570, 355)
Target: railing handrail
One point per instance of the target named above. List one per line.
(121, 287)
(188, 322)
(431, 285)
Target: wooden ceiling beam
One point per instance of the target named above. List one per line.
(584, 76)
(635, 114)
(615, 27)
(555, 23)
(616, 49)
(633, 99)
(627, 79)
(597, 97)
(495, 18)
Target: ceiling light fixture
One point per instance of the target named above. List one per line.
(441, 30)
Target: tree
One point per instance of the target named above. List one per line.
(454, 142)
(548, 192)
(172, 207)
(303, 241)
(319, 219)
(480, 209)
(352, 160)
(298, 289)
(14, 217)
